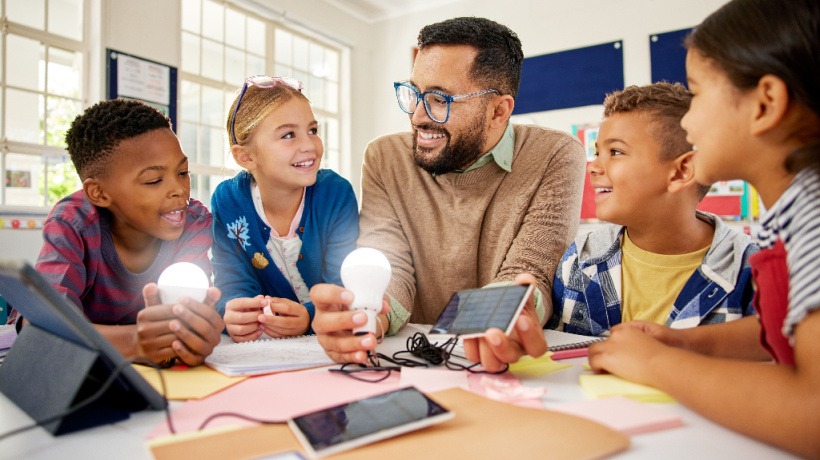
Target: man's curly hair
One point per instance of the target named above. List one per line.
(95, 134)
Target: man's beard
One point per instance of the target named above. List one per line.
(458, 154)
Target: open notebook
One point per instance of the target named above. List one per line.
(266, 356)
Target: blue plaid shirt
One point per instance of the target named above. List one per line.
(587, 301)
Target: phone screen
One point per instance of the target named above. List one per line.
(470, 312)
(368, 420)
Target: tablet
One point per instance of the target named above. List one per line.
(52, 315)
(365, 421)
(470, 312)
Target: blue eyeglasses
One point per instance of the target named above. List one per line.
(435, 103)
(261, 81)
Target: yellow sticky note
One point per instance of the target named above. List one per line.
(533, 367)
(188, 382)
(606, 385)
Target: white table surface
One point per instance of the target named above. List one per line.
(699, 438)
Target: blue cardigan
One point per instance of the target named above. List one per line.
(242, 265)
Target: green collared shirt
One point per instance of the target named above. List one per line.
(502, 154)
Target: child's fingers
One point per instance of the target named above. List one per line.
(150, 294)
(244, 332)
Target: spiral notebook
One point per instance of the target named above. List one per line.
(561, 341)
(268, 355)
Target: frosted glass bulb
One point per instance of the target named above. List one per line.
(182, 279)
(366, 272)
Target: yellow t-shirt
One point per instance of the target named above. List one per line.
(652, 282)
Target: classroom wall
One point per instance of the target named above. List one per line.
(382, 52)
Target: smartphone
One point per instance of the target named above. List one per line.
(470, 312)
(355, 424)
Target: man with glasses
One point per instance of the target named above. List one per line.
(466, 199)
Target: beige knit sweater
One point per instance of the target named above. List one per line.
(465, 230)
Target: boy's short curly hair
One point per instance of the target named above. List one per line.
(95, 133)
(663, 105)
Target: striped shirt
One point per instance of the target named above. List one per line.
(79, 259)
(795, 220)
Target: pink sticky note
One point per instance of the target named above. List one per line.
(623, 414)
(507, 388)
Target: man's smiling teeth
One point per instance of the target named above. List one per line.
(602, 189)
(304, 164)
(430, 135)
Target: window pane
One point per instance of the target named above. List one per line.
(23, 178)
(213, 21)
(316, 92)
(235, 28)
(332, 140)
(190, 101)
(234, 66)
(217, 145)
(62, 178)
(331, 65)
(317, 60)
(213, 113)
(212, 60)
(65, 17)
(27, 56)
(61, 112)
(31, 13)
(282, 70)
(256, 37)
(65, 73)
(332, 97)
(256, 65)
(187, 138)
(190, 53)
(191, 15)
(284, 44)
(300, 53)
(24, 116)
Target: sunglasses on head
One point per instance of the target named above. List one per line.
(262, 81)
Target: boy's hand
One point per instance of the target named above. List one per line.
(628, 353)
(242, 318)
(334, 323)
(196, 327)
(288, 318)
(495, 350)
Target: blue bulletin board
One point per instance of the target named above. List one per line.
(668, 56)
(132, 77)
(572, 78)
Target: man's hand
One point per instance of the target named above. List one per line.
(334, 324)
(495, 350)
(188, 330)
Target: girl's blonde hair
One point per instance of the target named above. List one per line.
(257, 103)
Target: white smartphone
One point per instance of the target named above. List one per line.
(470, 312)
(365, 421)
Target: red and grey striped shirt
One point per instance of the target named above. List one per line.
(79, 259)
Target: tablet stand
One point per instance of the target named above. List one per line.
(45, 375)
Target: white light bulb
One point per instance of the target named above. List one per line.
(366, 272)
(182, 279)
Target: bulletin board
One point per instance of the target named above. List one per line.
(668, 56)
(573, 78)
(132, 77)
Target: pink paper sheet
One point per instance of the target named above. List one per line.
(274, 397)
(623, 414)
